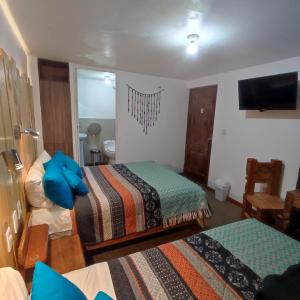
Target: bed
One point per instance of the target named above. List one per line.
(57, 218)
(228, 262)
(127, 199)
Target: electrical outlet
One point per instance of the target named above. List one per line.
(15, 221)
(9, 239)
(19, 209)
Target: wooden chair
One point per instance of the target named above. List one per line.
(264, 203)
(284, 220)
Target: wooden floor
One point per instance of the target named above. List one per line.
(223, 213)
(142, 244)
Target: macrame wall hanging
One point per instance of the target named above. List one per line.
(144, 108)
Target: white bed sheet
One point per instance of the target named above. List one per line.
(58, 218)
(12, 285)
(92, 280)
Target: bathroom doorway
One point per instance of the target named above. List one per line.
(96, 100)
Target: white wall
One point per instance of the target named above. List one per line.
(95, 99)
(165, 142)
(251, 134)
(10, 44)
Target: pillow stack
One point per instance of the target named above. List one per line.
(62, 179)
(34, 183)
(48, 284)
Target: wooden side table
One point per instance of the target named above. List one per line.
(33, 247)
(66, 254)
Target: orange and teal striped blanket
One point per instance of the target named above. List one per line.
(129, 198)
(197, 267)
(227, 262)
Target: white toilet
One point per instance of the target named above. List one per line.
(109, 149)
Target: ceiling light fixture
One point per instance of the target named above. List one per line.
(192, 47)
(107, 80)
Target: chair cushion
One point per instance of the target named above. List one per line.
(48, 284)
(56, 187)
(76, 184)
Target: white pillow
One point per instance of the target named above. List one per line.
(34, 183)
(42, 158)
(12, 285)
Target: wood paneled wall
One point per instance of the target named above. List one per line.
(16, 108)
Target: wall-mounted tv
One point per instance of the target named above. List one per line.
(276, 92)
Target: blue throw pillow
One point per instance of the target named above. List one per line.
(102, 296)
(66, 161)
(56, 187)
(76, 184)
(48, 284)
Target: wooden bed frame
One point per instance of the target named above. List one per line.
(93, 248)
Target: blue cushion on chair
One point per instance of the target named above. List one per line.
(76, 184)
(102, 296)
(48, 284)
(56, 187)
(66, 161)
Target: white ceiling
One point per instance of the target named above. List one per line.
(97, 75)
(149, 36)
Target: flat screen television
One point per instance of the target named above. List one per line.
(276, 92)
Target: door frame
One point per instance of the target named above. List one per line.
(73, 68)
(213, 126)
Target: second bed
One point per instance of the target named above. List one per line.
(126, 199)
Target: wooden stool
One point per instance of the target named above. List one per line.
(94, 154)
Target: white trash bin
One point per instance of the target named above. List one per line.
(222, 187)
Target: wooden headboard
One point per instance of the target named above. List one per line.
(16, 108)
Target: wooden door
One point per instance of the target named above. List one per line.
(56, 106)
(199, 132)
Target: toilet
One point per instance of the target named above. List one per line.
(109, 149)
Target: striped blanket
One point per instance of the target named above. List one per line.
(126, 199)
(201, 267)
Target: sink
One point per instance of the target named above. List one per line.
(82, 136)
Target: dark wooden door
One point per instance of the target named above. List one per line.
(56, 106)
(199, 132)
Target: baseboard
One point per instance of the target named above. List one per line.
(231, 200)
(235, 202)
